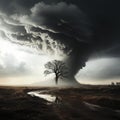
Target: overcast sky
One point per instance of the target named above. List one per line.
(100, 71)
(84, 34)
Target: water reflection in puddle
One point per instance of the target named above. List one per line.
(47, 97)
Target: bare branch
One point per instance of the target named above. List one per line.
(49, 65)
(46, 72)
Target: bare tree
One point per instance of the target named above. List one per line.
(58, 68)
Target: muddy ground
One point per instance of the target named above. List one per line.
(88, 103)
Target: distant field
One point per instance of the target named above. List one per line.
(74, 103)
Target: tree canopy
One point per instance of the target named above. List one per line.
(58, 68)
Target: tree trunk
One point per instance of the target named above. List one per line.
(56, 79)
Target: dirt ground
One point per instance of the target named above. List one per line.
(90, 103)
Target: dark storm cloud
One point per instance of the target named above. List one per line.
(76, 28)
(105, 19)
(23, 37)
(16, 6)
(6, 6)
(56, 16)
(9, 28)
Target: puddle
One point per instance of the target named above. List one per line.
(47, 97)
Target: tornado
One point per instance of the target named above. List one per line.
(74, 53)
(64, 33)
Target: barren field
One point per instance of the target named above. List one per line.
(90, 103)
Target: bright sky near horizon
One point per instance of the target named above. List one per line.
(21, 65)
(100, 71)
